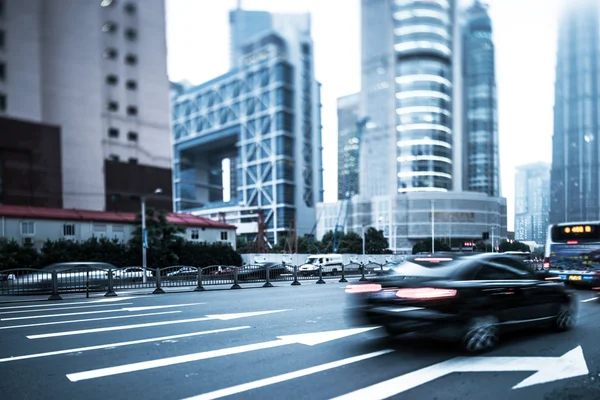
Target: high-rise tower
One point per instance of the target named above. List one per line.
(575, 175)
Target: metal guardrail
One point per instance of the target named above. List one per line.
(26, 281)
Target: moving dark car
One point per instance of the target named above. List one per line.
(472, 299)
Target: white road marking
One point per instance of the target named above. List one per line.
(107, 300)
(223, 317)
(286, 377)
(548, 369)
(129, 309)
(309, 339)
(120, 344)
(60, 308)
(87, 320)
(592, 299)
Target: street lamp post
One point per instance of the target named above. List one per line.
(432, 227)
(363, 240)
(145, 235)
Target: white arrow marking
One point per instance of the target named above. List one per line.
(319, 337)
(120, 344)
(548, 369)
(130, 309)
(88, 320)
(149, 324)
(107, 300)
(60, 308)
(286, 377)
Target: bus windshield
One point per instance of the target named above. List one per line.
(573, 247)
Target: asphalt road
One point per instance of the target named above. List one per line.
(271, 343)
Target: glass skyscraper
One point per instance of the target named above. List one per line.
(575, 175)
(348, 145)
(480, 141)
(532, 184)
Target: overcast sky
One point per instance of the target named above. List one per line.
(524, 34)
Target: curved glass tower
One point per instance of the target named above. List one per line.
(423, 33)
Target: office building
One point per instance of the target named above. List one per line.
(248, 143)
(532, 202)
(423, 163)
(95, 72)
(481, 156)
(349, 130)
(575, 175)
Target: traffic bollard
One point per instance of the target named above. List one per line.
(54, 295)
(343, 280)
(199, 288)
(158, 289)
(235, 279)
(362, 271)
(320, 281)
(295, 283)
(111, 291)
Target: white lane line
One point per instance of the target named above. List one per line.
(128, 309)
(120, 344)
(592, 299)
(307, 339)
(87, 320)
(107, 300)
(222, 317)
(286, 377)
(60, 308)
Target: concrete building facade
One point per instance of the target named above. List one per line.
(97, 70)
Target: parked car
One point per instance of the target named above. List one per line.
(471, 299)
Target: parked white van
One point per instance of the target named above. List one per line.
(331, 264)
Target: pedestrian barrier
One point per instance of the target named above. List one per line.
(27, 281)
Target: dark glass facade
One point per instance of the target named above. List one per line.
(575, 174)
(348, 146)
(423, 49)
(481, 157)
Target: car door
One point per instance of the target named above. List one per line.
(499, 292)
(540, 295)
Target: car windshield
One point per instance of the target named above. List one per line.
(429, 269)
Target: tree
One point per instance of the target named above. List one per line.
(351, 243)
(13, 255)
(424, 246)
(513, 246)
(163, 238)
(375, 242)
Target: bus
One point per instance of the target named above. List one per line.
(572, 252)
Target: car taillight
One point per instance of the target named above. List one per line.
(366, 288)
(425, 293)
(547, 263)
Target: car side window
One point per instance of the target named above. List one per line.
(492, 272)
(517, 266)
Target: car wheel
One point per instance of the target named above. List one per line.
(566, 317)
(481, 335)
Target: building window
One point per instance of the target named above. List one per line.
(110, 27)
(131, 59)
(113, 133)
(112, 79)
(106, 3)
(132, 110)
(131, 34)
(133, 160)
(130, 8)
(113, 158)
(131, 85)
(195, 234)
(110, 54)
(69, 230)
(132, 136)
(112, 106)
(2, 102)
(223, 235)
(27, 228)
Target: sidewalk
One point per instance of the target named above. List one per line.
(6, 299)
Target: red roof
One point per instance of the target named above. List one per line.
(116, 217)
